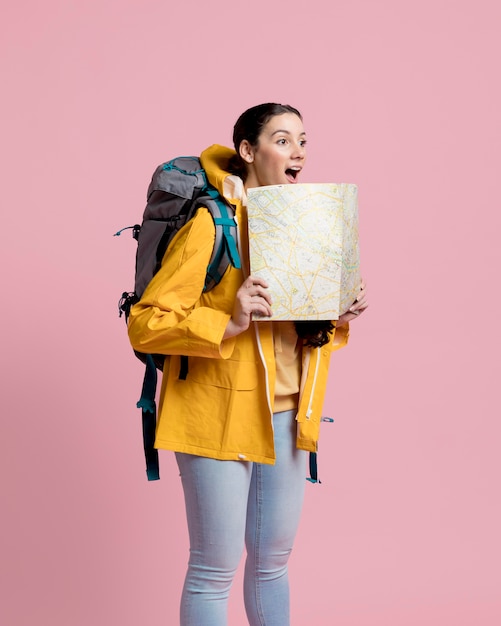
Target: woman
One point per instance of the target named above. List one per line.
(245, 417)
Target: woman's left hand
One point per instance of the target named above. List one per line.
(357, 308)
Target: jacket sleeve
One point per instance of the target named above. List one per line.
(171, 317)
(340, 336)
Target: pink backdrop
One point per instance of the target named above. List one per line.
(402, 98)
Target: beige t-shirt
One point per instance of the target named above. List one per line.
(288, 366)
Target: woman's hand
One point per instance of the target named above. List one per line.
(356, 308)
(252, 298)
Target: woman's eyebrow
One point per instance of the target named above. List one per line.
(287, 132)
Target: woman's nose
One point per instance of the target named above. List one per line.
(298, 151)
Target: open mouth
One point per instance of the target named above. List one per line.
(292, 174)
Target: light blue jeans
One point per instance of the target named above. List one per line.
(232, 504)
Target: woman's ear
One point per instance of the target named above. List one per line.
(246, 151)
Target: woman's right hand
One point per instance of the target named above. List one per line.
(252, 298)
(356, 308)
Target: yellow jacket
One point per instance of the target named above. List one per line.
(223, 409)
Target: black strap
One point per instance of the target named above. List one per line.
(313, 469)
(149, 418)
(183, 368)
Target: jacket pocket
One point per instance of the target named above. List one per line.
(225, 373)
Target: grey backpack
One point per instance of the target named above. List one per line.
(177, 190)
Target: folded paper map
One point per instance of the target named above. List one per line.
(303, 240)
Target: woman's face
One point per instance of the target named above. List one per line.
(279, 155)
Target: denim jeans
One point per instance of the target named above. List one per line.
(235, 504)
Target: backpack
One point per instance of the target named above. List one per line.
(177, 190)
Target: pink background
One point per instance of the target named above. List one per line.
(402, 98)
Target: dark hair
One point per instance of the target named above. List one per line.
(314, 333)
(249, 126)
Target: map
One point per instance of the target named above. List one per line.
(303, 240)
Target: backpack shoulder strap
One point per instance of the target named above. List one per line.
(225, 251)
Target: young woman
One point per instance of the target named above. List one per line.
(245, 417)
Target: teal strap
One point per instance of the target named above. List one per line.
(229, 239)
(229, 233)
(225, 247)
(224, 221)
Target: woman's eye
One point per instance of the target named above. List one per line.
(302, 143)
(282, 142)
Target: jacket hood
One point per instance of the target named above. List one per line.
(215, 161)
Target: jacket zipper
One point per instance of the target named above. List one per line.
(309, 410)
(263, 361)
(245, 272)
